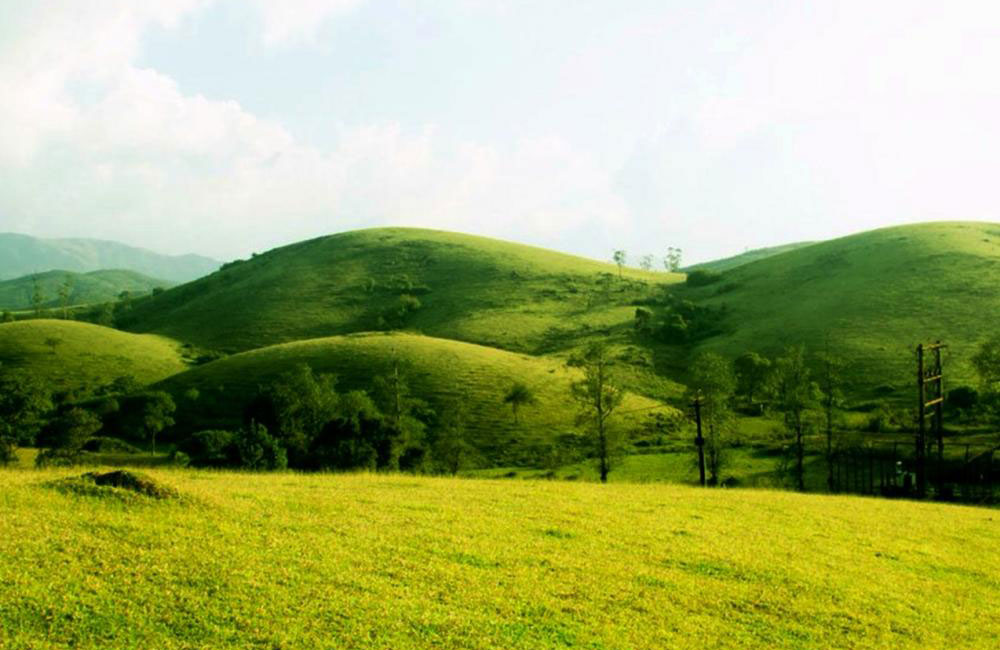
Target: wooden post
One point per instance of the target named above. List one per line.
(699, 441)
(921, 426)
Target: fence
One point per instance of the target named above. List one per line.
(962, 472)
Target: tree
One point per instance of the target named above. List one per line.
(258, 450)
(450, 449)
(986, 361)
(65, 291)
(796, 397)
(23, 404)
(295, 407)
(713, 379)
(598, 397)
(751, 370)
(518, 396)
(402, 431)
(831, 398)
(619, 259)
(646, 263)
(52, 342)
(158, 409)
(64, 437)
(7, 317)
(672, 260)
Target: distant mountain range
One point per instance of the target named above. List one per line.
(22, 255)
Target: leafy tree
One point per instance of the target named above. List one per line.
(672, 260)
(643, 319)
(23, 404)
(751, 370)
(64, 437)
(350, 440)
(402, 428)
(518, 396)
(158, 410)
(52, 342)
(295, 407)
(619, 259)
(105, 315)
(986, 361)
(713, 378)
(796, 398)
(646, 263)
(258, 450)
(830, 368)
(7, 317)
(598, 397)
(450, 449)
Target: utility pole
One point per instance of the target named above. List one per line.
(699, 441)
(929, 375)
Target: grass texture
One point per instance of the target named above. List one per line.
(368, 561)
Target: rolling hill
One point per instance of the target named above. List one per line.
(68, 355)
(874, 295)
(85, 288)
(466, 288)
(22, 255)
(438, 371)
(727, 263)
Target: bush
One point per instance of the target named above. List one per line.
(258, 450)
(212, 448)
(702, 278)
(963, 398)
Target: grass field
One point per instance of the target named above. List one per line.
(367, 561)
(68, 354)
(438, 370)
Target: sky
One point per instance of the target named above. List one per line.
(224, 127)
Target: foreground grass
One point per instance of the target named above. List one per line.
(287, 560)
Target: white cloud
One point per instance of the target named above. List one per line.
(296, 21)
(91, 144)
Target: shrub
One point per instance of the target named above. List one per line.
(211, 448)
(258, 450)
(964, 398)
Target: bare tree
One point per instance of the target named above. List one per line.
(672, 260)
(65, 291)
(598, 397)
(829, 386)
(646, 263)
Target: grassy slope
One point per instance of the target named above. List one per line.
(362, 561)
(727, 263)
(439, 370)
(876, 295)
(87, 288)
(85, 354)
(472, 289)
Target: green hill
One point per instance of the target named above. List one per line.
(438, 370)
(727, 263)
(23, 255)
(85, 288)
(68, 354)
(289, 560)
(468, 288)
(874, 295)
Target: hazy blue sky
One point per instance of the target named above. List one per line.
(227, 126)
